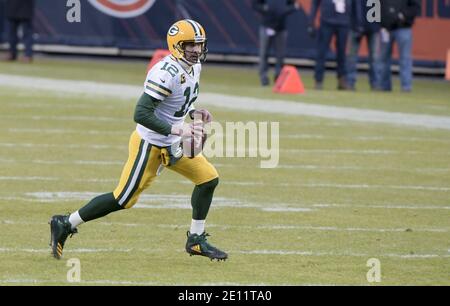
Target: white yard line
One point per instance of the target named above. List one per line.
(243, 252)
(271, 227)
(103, 163)
(383, 206)
(366, 186)
(252, 184)
(64, 118)
(67, 131)
(233, 152)
(336, 254)
(80, 250)
(28, 178)
(62, 162)
(366, 138)
(143, 283)
(281, 207)
(129, 92)
(308, 228)
(363, 152)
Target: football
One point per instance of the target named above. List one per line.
(193, 145)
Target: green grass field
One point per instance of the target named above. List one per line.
(344, 192)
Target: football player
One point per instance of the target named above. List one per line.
(170, 89)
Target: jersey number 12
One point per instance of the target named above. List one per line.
(187, 93)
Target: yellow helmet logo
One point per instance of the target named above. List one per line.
(173, 30)
(185, 31)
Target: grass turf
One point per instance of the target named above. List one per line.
(345, 192)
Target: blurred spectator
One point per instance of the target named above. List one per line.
(335, 21)
(272, 32)
(397, 19)
(20, 13)
(371, 31)
(2, 20)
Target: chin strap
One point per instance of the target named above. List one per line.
(186, 64)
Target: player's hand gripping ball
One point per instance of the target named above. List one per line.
(194, 142)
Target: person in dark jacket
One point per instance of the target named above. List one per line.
(20, 13)
(397, 19)
(2, 21)
(272, 31)
(335, 21)
(371, 30)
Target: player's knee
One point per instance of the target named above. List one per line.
(130, 203)
(212, 184)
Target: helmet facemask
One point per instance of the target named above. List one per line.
(192, 57)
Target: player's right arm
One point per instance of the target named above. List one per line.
(158, 86)
(144, 115)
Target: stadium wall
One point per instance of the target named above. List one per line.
(232, 28)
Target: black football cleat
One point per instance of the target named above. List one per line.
(198, 245)
(60, 228)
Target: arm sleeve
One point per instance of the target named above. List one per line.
(144, 114)
(314, 10)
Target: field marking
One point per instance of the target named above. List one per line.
(79, 250)
(302, 227)
(243, 252)
(149, 201)
(271, 227)
(61, 162)
(59, 105)
(143, 283)
(366, 138)
(65, 118)
(366, 186)
(252, 184)
(67, 131)
(335, 254)
(128, 92)
(65, 146)
(299, 151)
(382, 206)
(326, 111)
(364, 152)
(92, 282)
(353, 168)
(185, 205)
(311, 167)
(28, 178)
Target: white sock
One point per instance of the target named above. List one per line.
(75, 219)
(197, 227)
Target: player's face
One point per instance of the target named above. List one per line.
(193, 51)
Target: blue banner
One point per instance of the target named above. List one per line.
(232, 26)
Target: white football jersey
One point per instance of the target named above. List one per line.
(178, 89)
